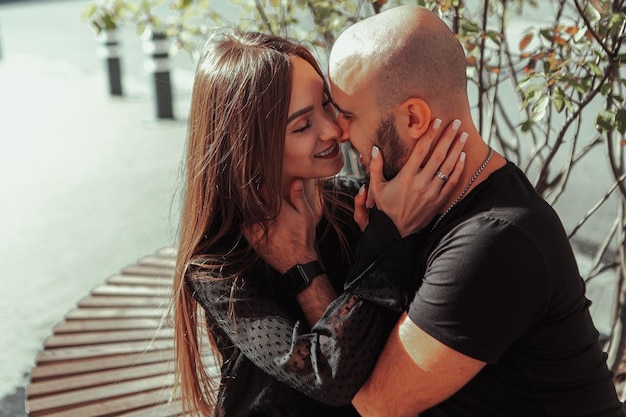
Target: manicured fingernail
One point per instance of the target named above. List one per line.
(456, 124)
(362, 189)
(463, 137)
(375, 152)
(436, 123)
(298, 185)
(462, 157)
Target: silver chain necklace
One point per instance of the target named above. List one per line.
(469, 184)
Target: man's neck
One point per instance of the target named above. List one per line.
(476, 157)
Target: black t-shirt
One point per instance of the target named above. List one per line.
(501, 285)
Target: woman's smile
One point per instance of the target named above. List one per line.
(329, 153)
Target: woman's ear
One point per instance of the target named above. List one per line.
(414, 117)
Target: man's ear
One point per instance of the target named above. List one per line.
(414, 117)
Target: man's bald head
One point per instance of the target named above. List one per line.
(404, 52)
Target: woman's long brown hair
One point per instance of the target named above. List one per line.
(236, 133)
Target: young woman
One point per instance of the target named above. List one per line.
(261, 119)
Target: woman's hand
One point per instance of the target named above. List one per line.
(290, 239)
(416, 194)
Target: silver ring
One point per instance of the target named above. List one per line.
(442, 176)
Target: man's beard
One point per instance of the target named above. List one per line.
(391, 146)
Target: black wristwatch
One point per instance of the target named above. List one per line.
(300, 276)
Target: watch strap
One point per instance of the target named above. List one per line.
(300, 276)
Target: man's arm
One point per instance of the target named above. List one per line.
(315, 298)
(413, 373)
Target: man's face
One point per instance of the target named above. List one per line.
(364, 126)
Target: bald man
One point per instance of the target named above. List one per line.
(499, 324)
(496, 322)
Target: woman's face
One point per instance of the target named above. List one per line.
(312, 148)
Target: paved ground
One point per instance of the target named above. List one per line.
(88, 182)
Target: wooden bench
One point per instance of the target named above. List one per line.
(113, 354)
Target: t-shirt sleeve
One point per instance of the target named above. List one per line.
(484, 284)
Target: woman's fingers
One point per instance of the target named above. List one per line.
(422, 148)
(296, 197)
(377, 178)
(443, 152)
(454, 176)
(361, 213)
(450, 166)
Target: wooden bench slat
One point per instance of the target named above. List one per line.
(123, 301)
(171, 409)
(149, 404)
(122, 279)
(94, 379)
(69, 340)
(118, 397)
(111, 313)
(94, 351)
(132, 290)
(160, 261)
(146, 270)
(77, 326)
(56, 369)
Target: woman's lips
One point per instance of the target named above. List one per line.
(329, 153)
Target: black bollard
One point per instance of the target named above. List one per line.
(156, 48)
(109, 49)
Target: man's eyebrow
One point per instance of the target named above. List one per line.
(299, 113)
(342, 111)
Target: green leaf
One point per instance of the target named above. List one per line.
(539, 108)
(494, 36)
(532, 91)
(605, 89)
(620, 121)
(546, 34)
(605, 120)
(525, 82)
(594, 68)
(577, 86)
(525, 126)
(558, 100)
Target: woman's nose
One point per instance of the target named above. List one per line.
(332, 130)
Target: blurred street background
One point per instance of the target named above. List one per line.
(88, 182)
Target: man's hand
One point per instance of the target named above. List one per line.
(416, 194)
(290, 239)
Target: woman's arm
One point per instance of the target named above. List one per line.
(329, 361)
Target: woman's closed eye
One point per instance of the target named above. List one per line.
(303, 128)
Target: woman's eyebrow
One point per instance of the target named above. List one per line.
(299, 113)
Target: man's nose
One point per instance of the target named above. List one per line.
(343, 125)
